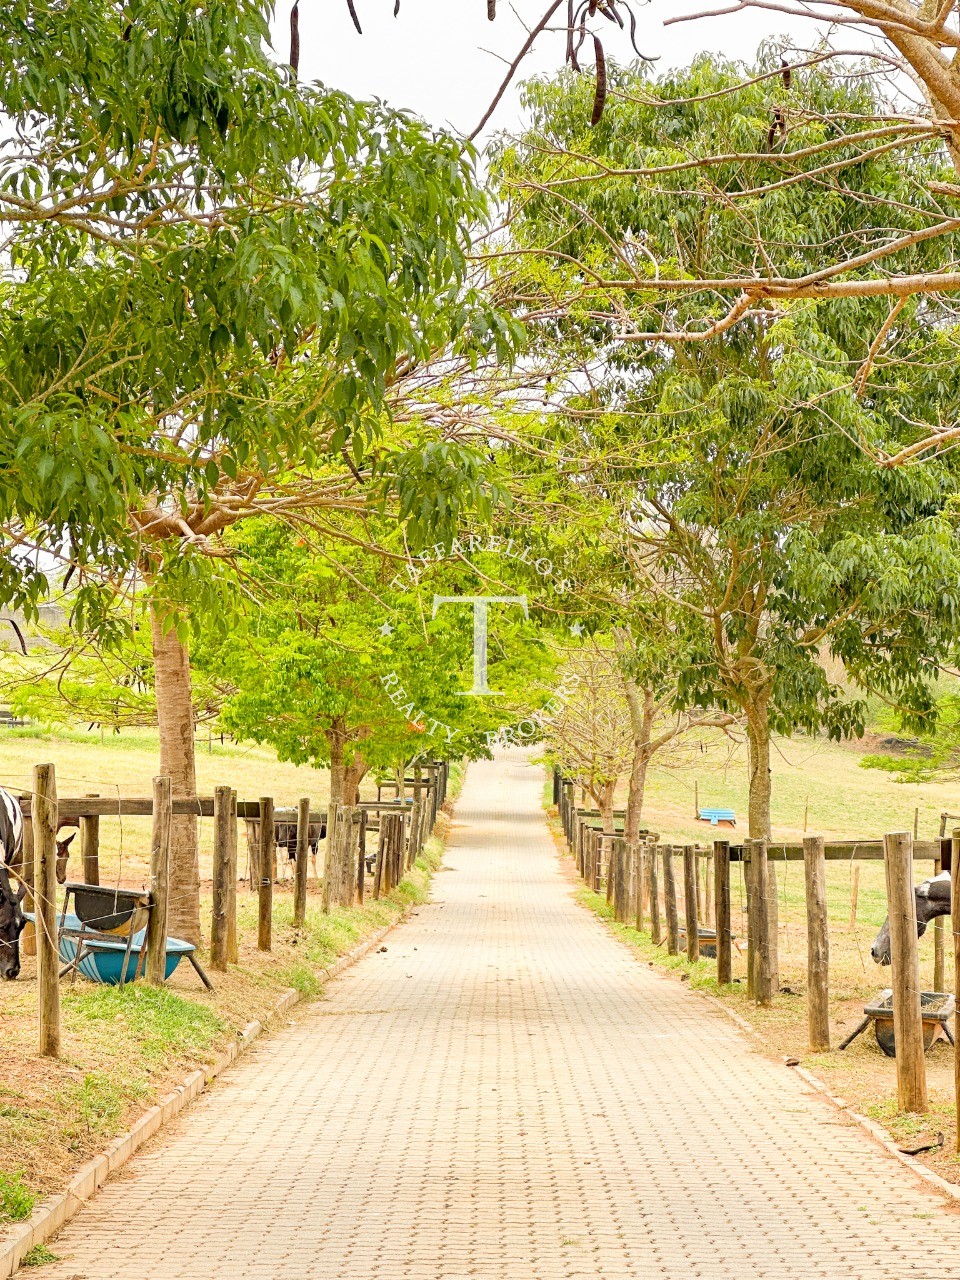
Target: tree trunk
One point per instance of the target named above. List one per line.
(635, 795)
(758, 763)
(337, 769)
(353, 775)
(758, 756)
(605, 805)
(171, 662)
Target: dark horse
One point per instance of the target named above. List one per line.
(12, 887)
(933, 899)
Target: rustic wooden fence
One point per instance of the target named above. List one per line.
(634, 881)
(403, 830)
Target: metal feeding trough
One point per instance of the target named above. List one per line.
(116, 911)
(936, 1008)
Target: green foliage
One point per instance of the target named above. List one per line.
(159, 1019)
(83, 681)
(348, 658)
(16, 1198)
(39, 1256)
(741, 467)
(935, 754)
(217, 270)
(907, 768)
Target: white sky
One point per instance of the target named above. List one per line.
(431, 59)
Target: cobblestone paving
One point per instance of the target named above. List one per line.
(506, 1094)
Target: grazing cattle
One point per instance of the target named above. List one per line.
(12, 888)
(932, 898)
(285, 837)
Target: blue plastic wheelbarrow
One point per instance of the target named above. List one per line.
(112, 961)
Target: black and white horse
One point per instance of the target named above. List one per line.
(12, 887)
(932, 898)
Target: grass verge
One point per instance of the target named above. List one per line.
(861, 1074)
(123, 1049)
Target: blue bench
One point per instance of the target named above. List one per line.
(716, 816)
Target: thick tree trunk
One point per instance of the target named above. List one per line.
(337, 768)
(353, 775)
(171, 662)
(758, 755)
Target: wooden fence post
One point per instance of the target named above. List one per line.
(763, 975)
(818, 945)
(708, 913)
(721, 910)
(44, 814)
(90, 847)
(330, 855)
(419, 821)
(348, 856)
(656, 937)
(640, 859)
(268, 853)
(905, 972)
(690, 883)
(747, 856)
(156, 938)
(955, 922)
(402, 826)
(233, 946)
(361, 857)
(670, 901)
(222, 798)
(938, 932)
(378, 868)
(303, 857)
(770, 897)
(618, 860)
(28, 939)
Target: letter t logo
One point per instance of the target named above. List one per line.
(480, 604)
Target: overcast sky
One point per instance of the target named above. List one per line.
(431, 58)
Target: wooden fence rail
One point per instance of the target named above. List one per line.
(604, 861)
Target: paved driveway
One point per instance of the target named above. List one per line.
(507, 1094)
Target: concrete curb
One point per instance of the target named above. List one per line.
(51, 1214)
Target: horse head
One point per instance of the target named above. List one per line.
(12, 921)
(63, 855)
(932, 898)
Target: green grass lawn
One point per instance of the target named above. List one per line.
(825, 779)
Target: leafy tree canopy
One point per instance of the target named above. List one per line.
(742, 462)
(348, 658)
(213, 270)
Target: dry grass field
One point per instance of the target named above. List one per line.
(825, 779)
(125, 764)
